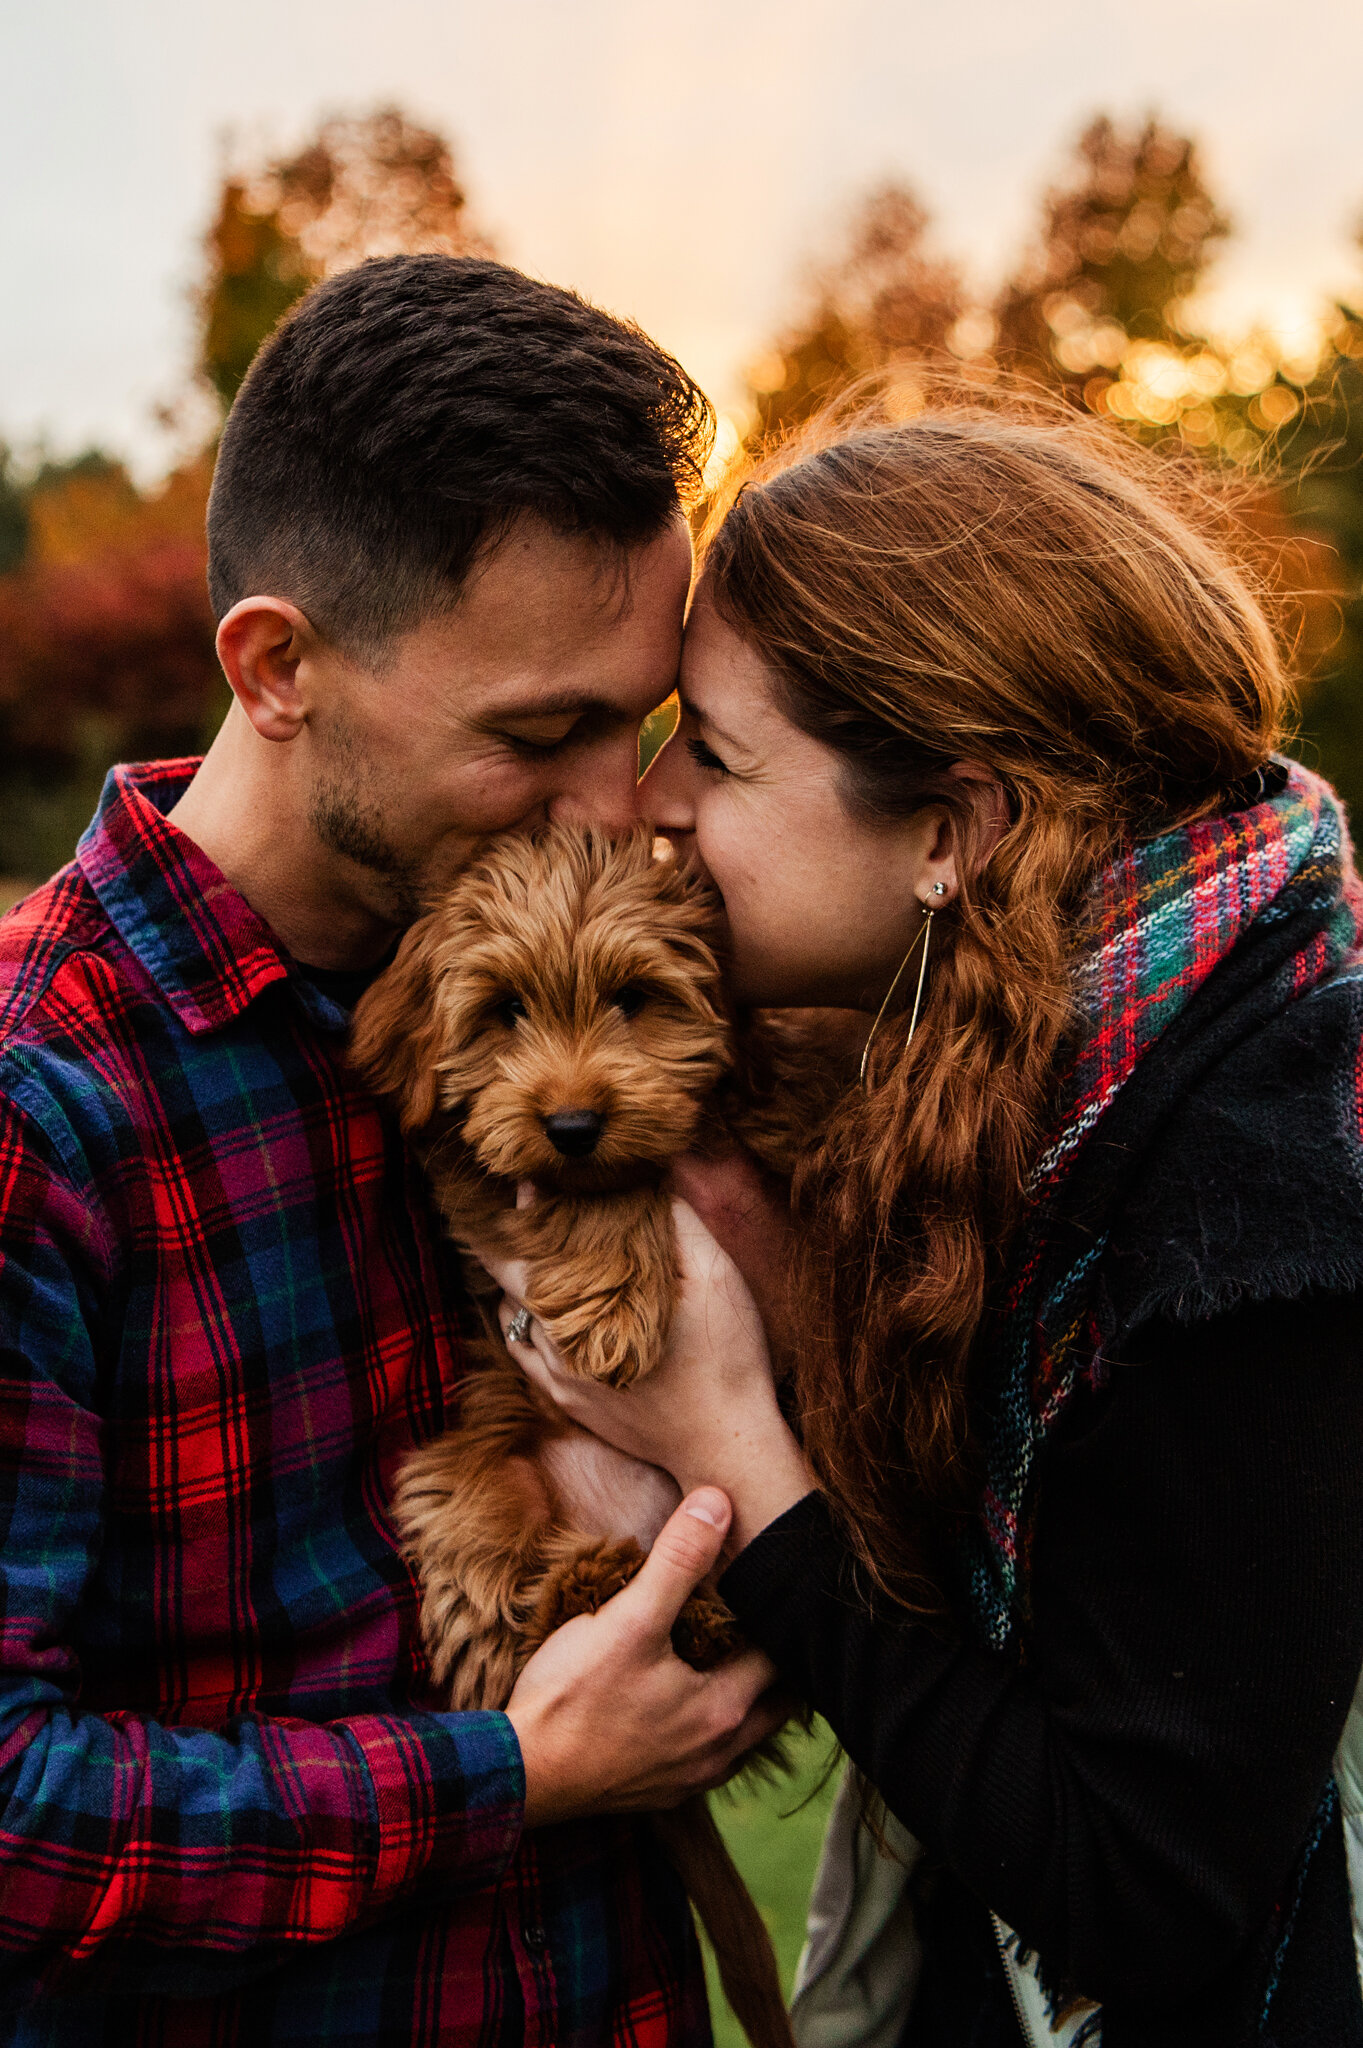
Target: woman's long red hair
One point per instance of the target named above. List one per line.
(1012, 588)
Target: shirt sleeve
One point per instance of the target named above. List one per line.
(1132, 1791)
(115, 1828)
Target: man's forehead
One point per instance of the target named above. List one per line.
(531, 567)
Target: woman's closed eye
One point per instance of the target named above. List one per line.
(705, 757)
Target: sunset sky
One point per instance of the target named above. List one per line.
(676, 164)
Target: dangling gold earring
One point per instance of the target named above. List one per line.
(920, 937)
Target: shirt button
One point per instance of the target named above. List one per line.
(535, 1936)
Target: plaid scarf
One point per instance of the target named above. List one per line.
(1195, 938)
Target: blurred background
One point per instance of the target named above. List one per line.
(1154, 211)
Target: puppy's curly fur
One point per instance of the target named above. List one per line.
(559, 1018)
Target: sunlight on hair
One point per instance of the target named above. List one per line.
(728, 443)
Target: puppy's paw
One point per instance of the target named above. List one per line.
(603, 1281)
(584, 1583)
(705, 1632)
(619, 1344)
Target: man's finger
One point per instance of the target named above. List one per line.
(687, 1547)
(743, 1684)
(762, 1721)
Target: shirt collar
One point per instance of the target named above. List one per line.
(198, 938)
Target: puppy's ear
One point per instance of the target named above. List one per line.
(395, 1038)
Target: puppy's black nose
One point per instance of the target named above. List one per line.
(574, 1132)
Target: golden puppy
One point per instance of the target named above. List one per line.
(559, 1019)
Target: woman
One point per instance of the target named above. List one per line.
(1071, 1557)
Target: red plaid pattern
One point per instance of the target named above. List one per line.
(230, 1810)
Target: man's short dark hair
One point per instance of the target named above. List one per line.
(408, 410)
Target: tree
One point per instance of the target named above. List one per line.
(1318, 449)
(1099, 311)
(255, 273)
(1124, 241)
(106, 634)
(106, 645)
(365, 185)
(887, 300)
(13, 515)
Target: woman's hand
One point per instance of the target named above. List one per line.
(739, 1205)
(707, 1413)
(608, 1717)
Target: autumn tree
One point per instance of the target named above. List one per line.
(13, 514)
(887, 299)
(1124, 240)
(372, 184)
(1316, 452)
(106, 633)
(255, 273)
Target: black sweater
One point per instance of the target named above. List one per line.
(1133, 1792)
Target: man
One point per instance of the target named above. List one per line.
(448, 557)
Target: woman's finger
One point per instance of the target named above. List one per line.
(511, 1275)
(534, 1354)
(517, 1323)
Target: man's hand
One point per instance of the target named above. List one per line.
(608, 1717)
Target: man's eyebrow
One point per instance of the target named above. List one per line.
(572, 706)
(704, 718)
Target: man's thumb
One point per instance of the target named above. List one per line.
(687, 1547)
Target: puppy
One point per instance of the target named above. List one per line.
(559, 1019)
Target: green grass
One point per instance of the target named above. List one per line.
(776, 1849)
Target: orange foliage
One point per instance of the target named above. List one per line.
(121, 641)
(97, 510)
(106, 628)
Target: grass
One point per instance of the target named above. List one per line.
(774, 1832)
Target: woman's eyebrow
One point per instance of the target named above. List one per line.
(704, 718)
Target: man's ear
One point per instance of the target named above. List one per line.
(260, 644)
(396, 1036)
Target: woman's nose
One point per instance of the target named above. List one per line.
(665, 794)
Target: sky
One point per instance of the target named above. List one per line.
(679, 165)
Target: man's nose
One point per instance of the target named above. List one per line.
(604, 789)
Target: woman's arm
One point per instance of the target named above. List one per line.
(1133, 1793)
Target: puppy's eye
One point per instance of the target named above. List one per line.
(511, 1011)
(630, 999)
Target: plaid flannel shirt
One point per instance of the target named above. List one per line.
(230, 1812)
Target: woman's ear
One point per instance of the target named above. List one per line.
(989, 801)
(396, 1037)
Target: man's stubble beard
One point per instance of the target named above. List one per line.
(348, 821)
